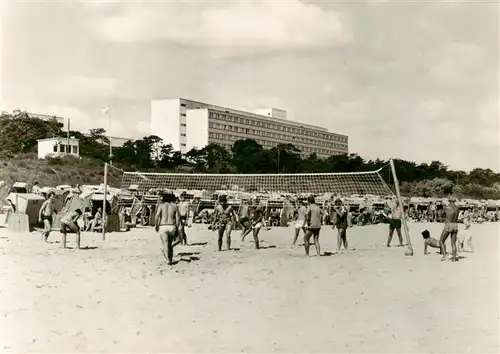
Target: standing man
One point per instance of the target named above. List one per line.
(341, 224)
(450, 228)
(333, 213)
(395, 223)
(223, 216)
(184, 214)
(300, 221)
(313, 220)
(433, 208)
(244, 217)
(166, 223)
(46, 214)
(257, 217)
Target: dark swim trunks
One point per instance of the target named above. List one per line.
(314, 231)
(395, 224)
(244, 221)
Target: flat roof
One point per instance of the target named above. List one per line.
(255, 115)
(58, 138)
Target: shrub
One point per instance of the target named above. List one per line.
(48, 170)
(54, 160)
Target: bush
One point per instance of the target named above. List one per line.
(6, 155)
(48, 170)
(22, 164)
(62, 160)
(54, 160)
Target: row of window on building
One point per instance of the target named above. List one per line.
(279, 127)
(66, 148)
(284, 137)
(266, 144)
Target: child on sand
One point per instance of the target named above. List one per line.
(429, 241)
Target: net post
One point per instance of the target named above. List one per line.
(105, 199)
(403, 216)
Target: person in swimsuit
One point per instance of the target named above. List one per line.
(333, 214)
(167, 221)
(244, 217)
(257, 217)
(313, 220)
(223, 221)
(429, 241)
(450, 229)
(97, 220)
(395, 224)
(466, 244)
(46, 214)
(341, 224)
(69, 224)
(183, 214)
(300, 221)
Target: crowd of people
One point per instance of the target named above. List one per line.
(434, 213)
(173, 215)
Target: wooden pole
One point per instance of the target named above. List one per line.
(403, 217)
(105, 199)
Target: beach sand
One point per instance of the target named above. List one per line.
(122, 297)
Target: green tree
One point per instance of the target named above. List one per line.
(19, 133)
(312, 164)
(125, 154)
(286, 158)
(218, 159)
(165, 157)
(247, 156)
(197, 159)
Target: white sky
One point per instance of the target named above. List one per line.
(414, 80)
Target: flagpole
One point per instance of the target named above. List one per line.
(109, 138)
(68, 147)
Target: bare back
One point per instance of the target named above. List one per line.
(314, 213)
(244, 211)
(301, 213)
(167, 214)
(432, 242)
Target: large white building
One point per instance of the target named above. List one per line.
(188, 124)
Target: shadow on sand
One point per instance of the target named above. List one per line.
(84, 248)
(328, 254)
(186, 260)
(183, 254)
(197, 244)
(267, 247)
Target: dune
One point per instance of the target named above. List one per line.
(120, 296)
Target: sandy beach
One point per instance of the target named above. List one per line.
(120, 296)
